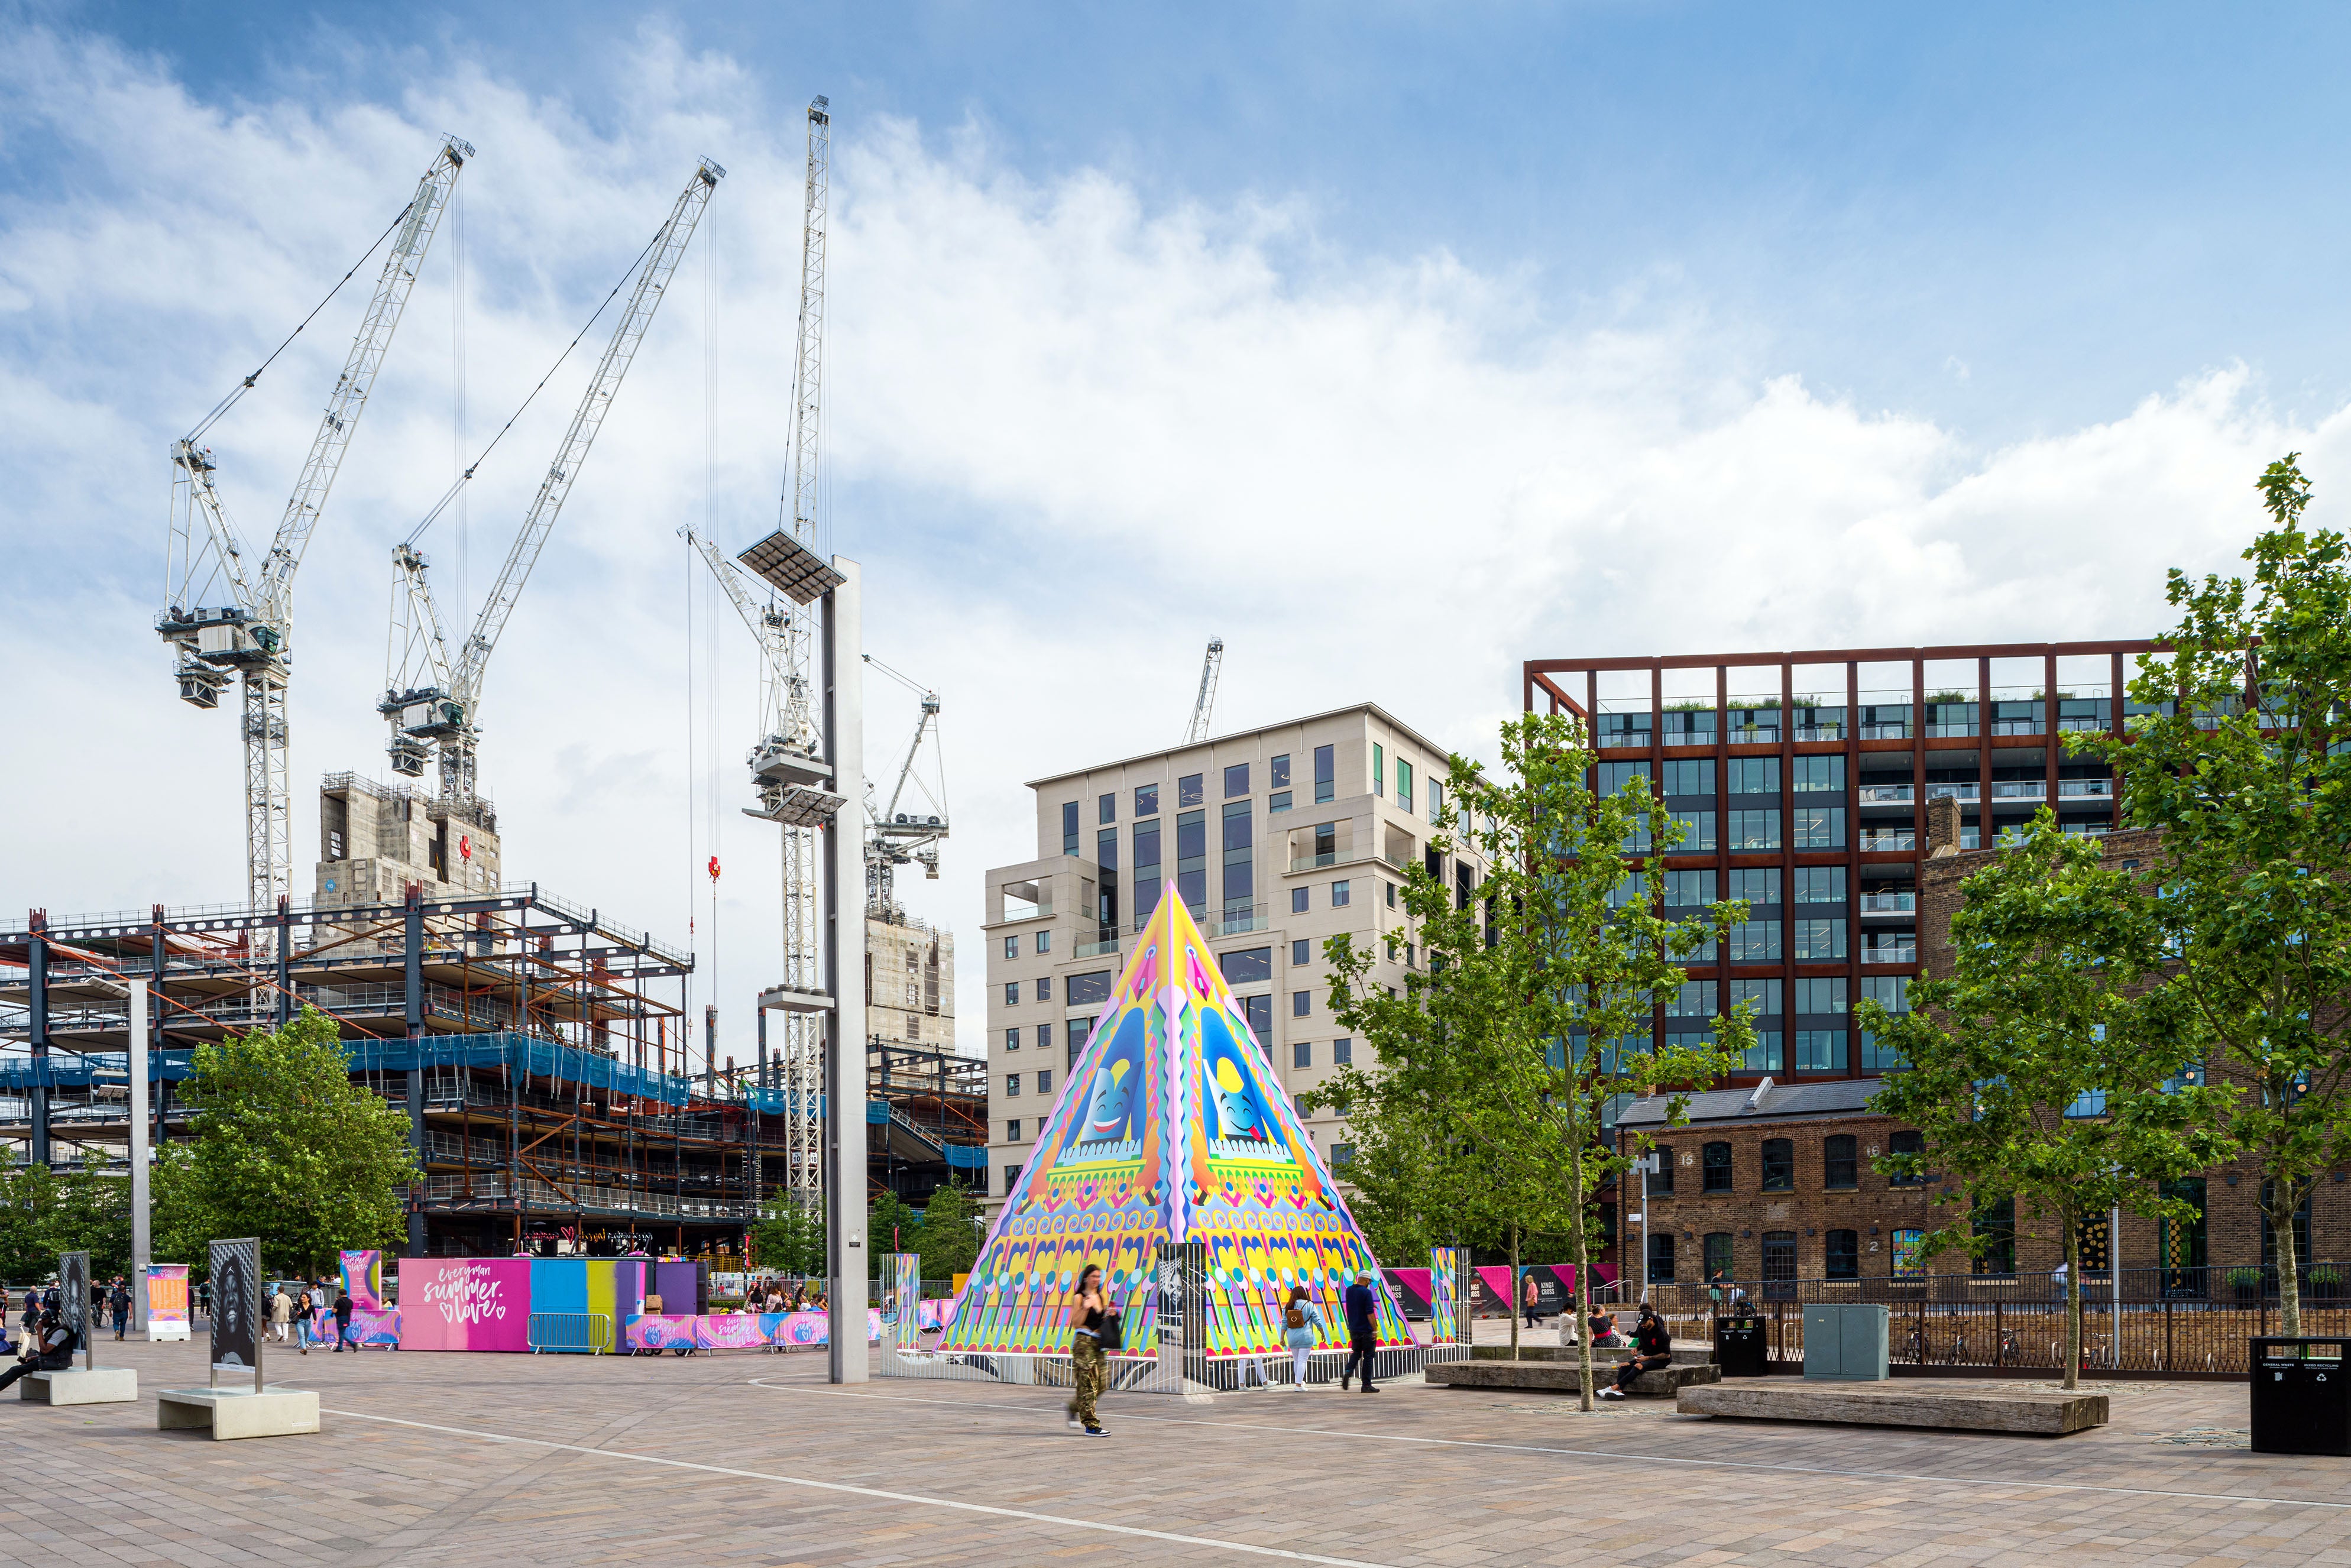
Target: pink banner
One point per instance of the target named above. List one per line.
(736, 1331)
(464, 1303)
(370, 1325)
(363, 1278)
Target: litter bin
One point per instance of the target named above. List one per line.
(1739, 1347)
(1846, 1342)
(2302, 1397)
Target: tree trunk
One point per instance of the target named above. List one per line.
(1513, 1303)
(2285, 1199)
(1583, 1302)
(2074, 1299)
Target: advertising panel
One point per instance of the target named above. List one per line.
(464, 1303)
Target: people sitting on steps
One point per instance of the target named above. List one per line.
(48, 1348)
(1653, 1348)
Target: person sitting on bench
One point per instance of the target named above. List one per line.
(49, 1348)
(1603, 1328)
(1653, 1347)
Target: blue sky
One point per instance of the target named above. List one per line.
(1394, 345)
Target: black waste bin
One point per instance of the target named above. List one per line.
(2302, 1397)
(1740, 1348)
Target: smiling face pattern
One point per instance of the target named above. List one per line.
(1113, 1102)
(1237, 1109)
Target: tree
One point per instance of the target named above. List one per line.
(2239, 756)
(44, 1212)
(892, 1225)
(1496, 1067)
(948, 1238)
(286, 1148)
(789, 1239)
(2044, 1071)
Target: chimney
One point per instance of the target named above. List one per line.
(1943, 827)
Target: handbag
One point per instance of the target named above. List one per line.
(1110, 1334)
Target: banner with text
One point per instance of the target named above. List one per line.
(464, 1303)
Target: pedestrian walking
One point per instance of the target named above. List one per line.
(1363, 1305)
(1087, 1361)
(117, 1301)
(1302, 1323)
(281, 1314)
(1532, 1299)
(343, 1319)
(302, 1309)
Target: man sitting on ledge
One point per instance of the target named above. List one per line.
(48, 1348)
(1653, 1347)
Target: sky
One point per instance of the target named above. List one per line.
(1392, 344)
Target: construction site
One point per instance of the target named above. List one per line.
(563, 1092)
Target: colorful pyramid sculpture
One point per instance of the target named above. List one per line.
(1171, 1126)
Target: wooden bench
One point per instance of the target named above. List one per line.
(1562, 1376)
(1935, 1403)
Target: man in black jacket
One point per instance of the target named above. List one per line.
(1653, 1347)
(343, 1305)
(49, 1348)
(1363, 1303)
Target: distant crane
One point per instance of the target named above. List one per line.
(431, 698)
(252, 636)
(1206, 703)
(894, 835)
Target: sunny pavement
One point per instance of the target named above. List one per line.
(454, 1459)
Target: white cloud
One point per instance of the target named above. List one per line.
(1070, 436)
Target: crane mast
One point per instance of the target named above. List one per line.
(1206, 703)
(901, 830)
(251, 637)
(432, 698)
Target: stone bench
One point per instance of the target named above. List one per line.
(231, 1413)
(1685, 1352)
(1934, 1403)
(1562, 1376)
(81, 1386)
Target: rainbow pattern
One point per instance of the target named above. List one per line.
(1171, 1126)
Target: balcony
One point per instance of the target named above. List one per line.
(1883, 841)
(1106, 947)
(2085, 789)
(2086, 830)
(2020, 789)
(1890, 953)
(1954, 791)
(1614, 738)
(1328, 857)
(1887, 795)
(1819, 732)
(1889, 902)
(1236, 918)
(1886, 729)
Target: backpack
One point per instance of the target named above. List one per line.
(1295, 1317)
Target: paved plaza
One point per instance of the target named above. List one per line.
(745, 1459)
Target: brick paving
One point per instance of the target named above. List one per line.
(753, 1459)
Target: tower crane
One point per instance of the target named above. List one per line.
(252, 635)
(431, 696)
(900, 832)
(1206, 703)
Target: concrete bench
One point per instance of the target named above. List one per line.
(230, 1413)
(1560, 1376)
(1932, 1404)
(81, 1386)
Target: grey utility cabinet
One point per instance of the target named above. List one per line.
(1846, 1342)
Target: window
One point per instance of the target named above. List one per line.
(1078, 1029)
(1632, 888)
(1780, 1265)
(1764, 995)
(1820, 1050)
(1820, 996)
(1278, 772)
(1661, 1180)
(1146, 800)
(1087, 990)
(1691, 777)
(1754, 774)
(1326, 773)
(1764, 1055)
(1341, 895)
(1012, 946)
(1069, 827)
(1610, 778)
(1661, 1257)
(1237, 779)
(1755, 942)
(1686, 889)
(1249, 966)
(1819, 941)
(1403, 784)
(1343, 1053)
(1012, 1086)
(1391, 887)
(1044, 987)
(1298, 905)
(1146, 869)
(1011, 993)
(1045, 1037)
(1993, 1226)
(1341, 1156)
(1298, 1103)
(2088, 1103)
(1693, 1000)
(1891, 992)
(1240, 855)
(1276, 802)
(1106, 807)
(1907, 1144)
(1301, 1054)
(1697, 833)
(1840, 1162)
(1718, 1254)
(1755, 830)
(1778, 1165)
(1819, 884)
(1044, 945)
(1011, 1132)
(1011, 1179)
(1756, 888)
(1435, 800)
(1820, 827)
(1908, 1263)
(1379, 768)
(1045, 1080)
(1815, 775)
(1842, 1258)
(1105, 910)
(1012, 1038)
(1302, 1003)
(1191, 790)
(1192, 859)
(1715, 1161)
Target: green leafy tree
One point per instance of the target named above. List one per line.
(892, 1225)
(286, 1148)
(789, 1239)
(2045, 1068)
(1498, 1063)
(2242, 758)
(44, 1212)
(948, 1238)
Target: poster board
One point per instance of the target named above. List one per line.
(464, 1303)
(167, 1302)
(363, 1278)
(73, 1298)
(236, 1307)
